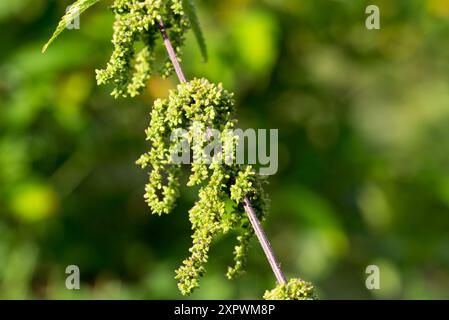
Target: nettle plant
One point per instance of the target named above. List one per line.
(231, 195)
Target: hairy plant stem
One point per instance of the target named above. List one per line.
(261, 236)
(171, 53)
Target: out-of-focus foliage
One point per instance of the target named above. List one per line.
(364, 148)
(190, 11)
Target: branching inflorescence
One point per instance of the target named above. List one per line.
(194, 107)
(226, 189)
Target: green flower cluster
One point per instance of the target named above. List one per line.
(295, 289)
(136, 30)
(196, 107)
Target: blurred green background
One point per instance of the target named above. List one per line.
(364, 151)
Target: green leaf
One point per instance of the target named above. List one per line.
(190, 10)
(75, 10)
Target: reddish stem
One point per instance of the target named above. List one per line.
(171, 53)
(266, 246)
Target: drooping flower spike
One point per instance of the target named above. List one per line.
(222, 185)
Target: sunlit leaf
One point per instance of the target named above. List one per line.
(73, 12)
